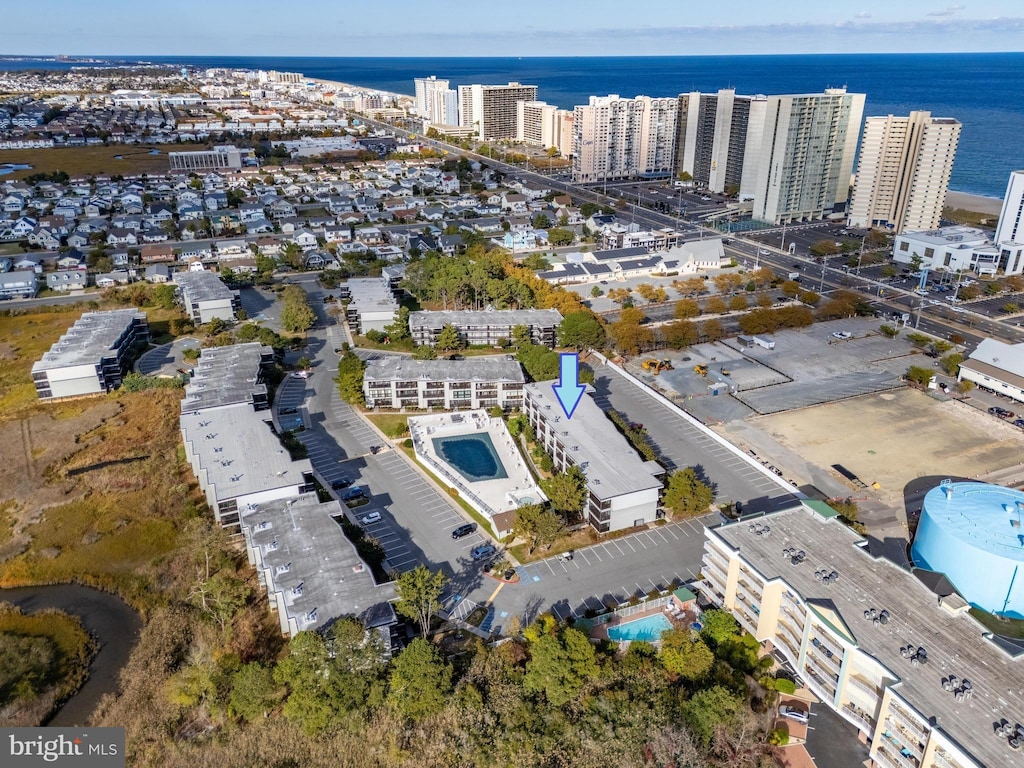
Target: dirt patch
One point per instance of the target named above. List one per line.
(896, 437)
(29, 448)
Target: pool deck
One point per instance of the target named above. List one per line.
(678, 619)
(500, 494)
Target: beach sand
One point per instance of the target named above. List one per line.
(976, 203)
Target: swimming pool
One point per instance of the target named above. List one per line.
(648, 628)
(472, 455)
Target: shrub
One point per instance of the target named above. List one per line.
(785, 685)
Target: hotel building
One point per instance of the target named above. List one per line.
(617, 138)
(491, 109)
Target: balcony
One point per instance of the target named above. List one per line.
(863, 720)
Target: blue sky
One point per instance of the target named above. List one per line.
(517, 28)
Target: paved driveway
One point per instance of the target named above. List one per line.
(166, 359)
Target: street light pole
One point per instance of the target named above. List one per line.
(824, 266)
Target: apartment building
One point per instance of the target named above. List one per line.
(20, 284)
(903, 171)
(229, 376)
(910, 669)
(618, 138)
(93, 355)
(712, 135)
(400, 382)
(544, 125)
(204, 297)
(622, 489)
(309, 569)
(487, 326)
(803, 159)
(491, 109)
(226, 157)
(372, 303)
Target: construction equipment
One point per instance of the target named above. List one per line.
(701, 369)
(656, 366)
(666, 364)
(723, 371)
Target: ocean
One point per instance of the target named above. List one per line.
(981, 90)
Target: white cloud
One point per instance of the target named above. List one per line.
(863, 15)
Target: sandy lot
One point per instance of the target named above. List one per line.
(977, 203)
(894, 437)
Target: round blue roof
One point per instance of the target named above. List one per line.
(986, 517)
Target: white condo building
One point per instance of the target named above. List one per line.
(618, 138)
(1011, 227)
(801, 167)
(437, 101)
(544, 125)
(491, 109)
(903, 171)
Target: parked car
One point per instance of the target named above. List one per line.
(463, 530)
(289, 411)
(793, 714)
(483, 551)
(355, 492)
(842, 335)
(1019, 423)
(342, 482)
(370, 517)
(1002, 413)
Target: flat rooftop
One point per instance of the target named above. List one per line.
(955, 644)
(318, 556)
(595, 445)
(481, 369)
(203, 286)
(943, 236)
(226, 376)
(498, 317)
(239, 451)
(89, 339)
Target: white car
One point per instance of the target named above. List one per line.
(300, 374)
(793, 714)
(370, 517)
(842, 335)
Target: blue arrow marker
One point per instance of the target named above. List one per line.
(568, 390)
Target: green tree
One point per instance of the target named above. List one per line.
(718, 627)
(687, 494)
(419, 594)
(560, 665)
(558, 236)
(253, 691)
(824, 247)
(448, 339)
(539, 526)
(420, 681)
(596, 291)
(399, 329)
(710, 709)
(581, 330)
(684, 654)
(541, 221)
(919, 375)
(350, 378)
(424, 353)
(566, 491)
(521, 336)
(296, 314)
(951, 363)
(27, 666)
(163, 296)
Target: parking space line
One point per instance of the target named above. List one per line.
(621, 550)
(638, 541)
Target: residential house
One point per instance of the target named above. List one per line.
(157, 253)
(67, 280)
(158, 273)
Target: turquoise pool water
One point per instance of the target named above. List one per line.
(648, 628)
(472, 455)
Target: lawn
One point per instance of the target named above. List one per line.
(394, 425)
(88, 161)
(1005, 627)
(23, 340)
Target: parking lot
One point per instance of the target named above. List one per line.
(682, 444)
(166, 360)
